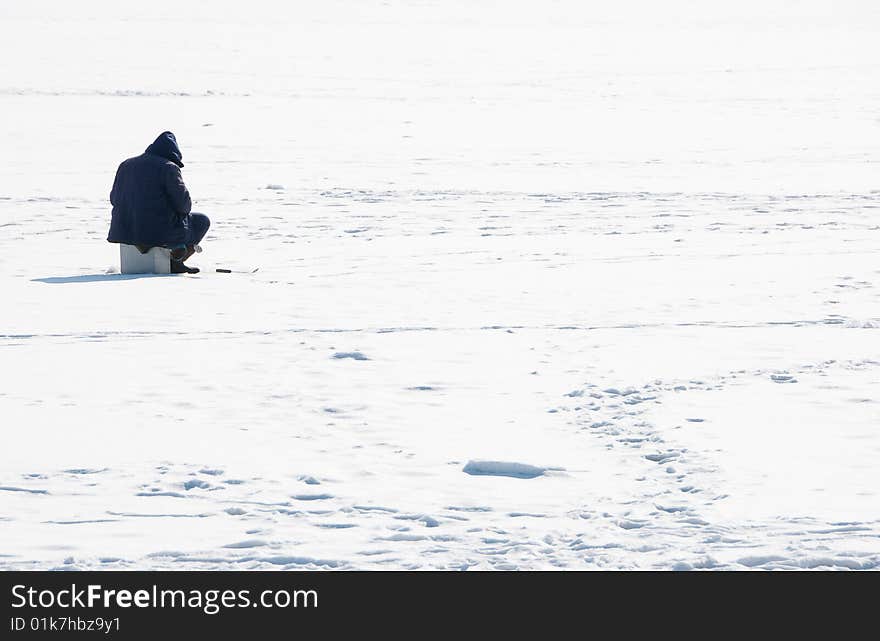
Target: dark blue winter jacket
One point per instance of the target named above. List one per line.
(150, 202)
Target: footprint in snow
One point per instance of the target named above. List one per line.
(662, 457)
(616, 392)
(426, 520)
(196, 483)
(352, 355)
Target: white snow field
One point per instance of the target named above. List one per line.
(564, 285)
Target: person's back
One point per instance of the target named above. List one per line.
(152, 206)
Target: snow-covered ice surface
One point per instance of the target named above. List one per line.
(546, 285)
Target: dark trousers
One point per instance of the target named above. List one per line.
(197, 226)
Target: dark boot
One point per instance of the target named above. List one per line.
(177, 267)
(178, 256)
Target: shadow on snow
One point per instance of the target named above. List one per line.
(95, 278)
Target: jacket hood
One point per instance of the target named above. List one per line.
(166, 147)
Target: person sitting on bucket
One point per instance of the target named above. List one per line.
(151, 205)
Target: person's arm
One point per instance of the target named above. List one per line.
(177, 191)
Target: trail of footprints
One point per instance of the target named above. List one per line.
(615, 415)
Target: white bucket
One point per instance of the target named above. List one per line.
(155, 261)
